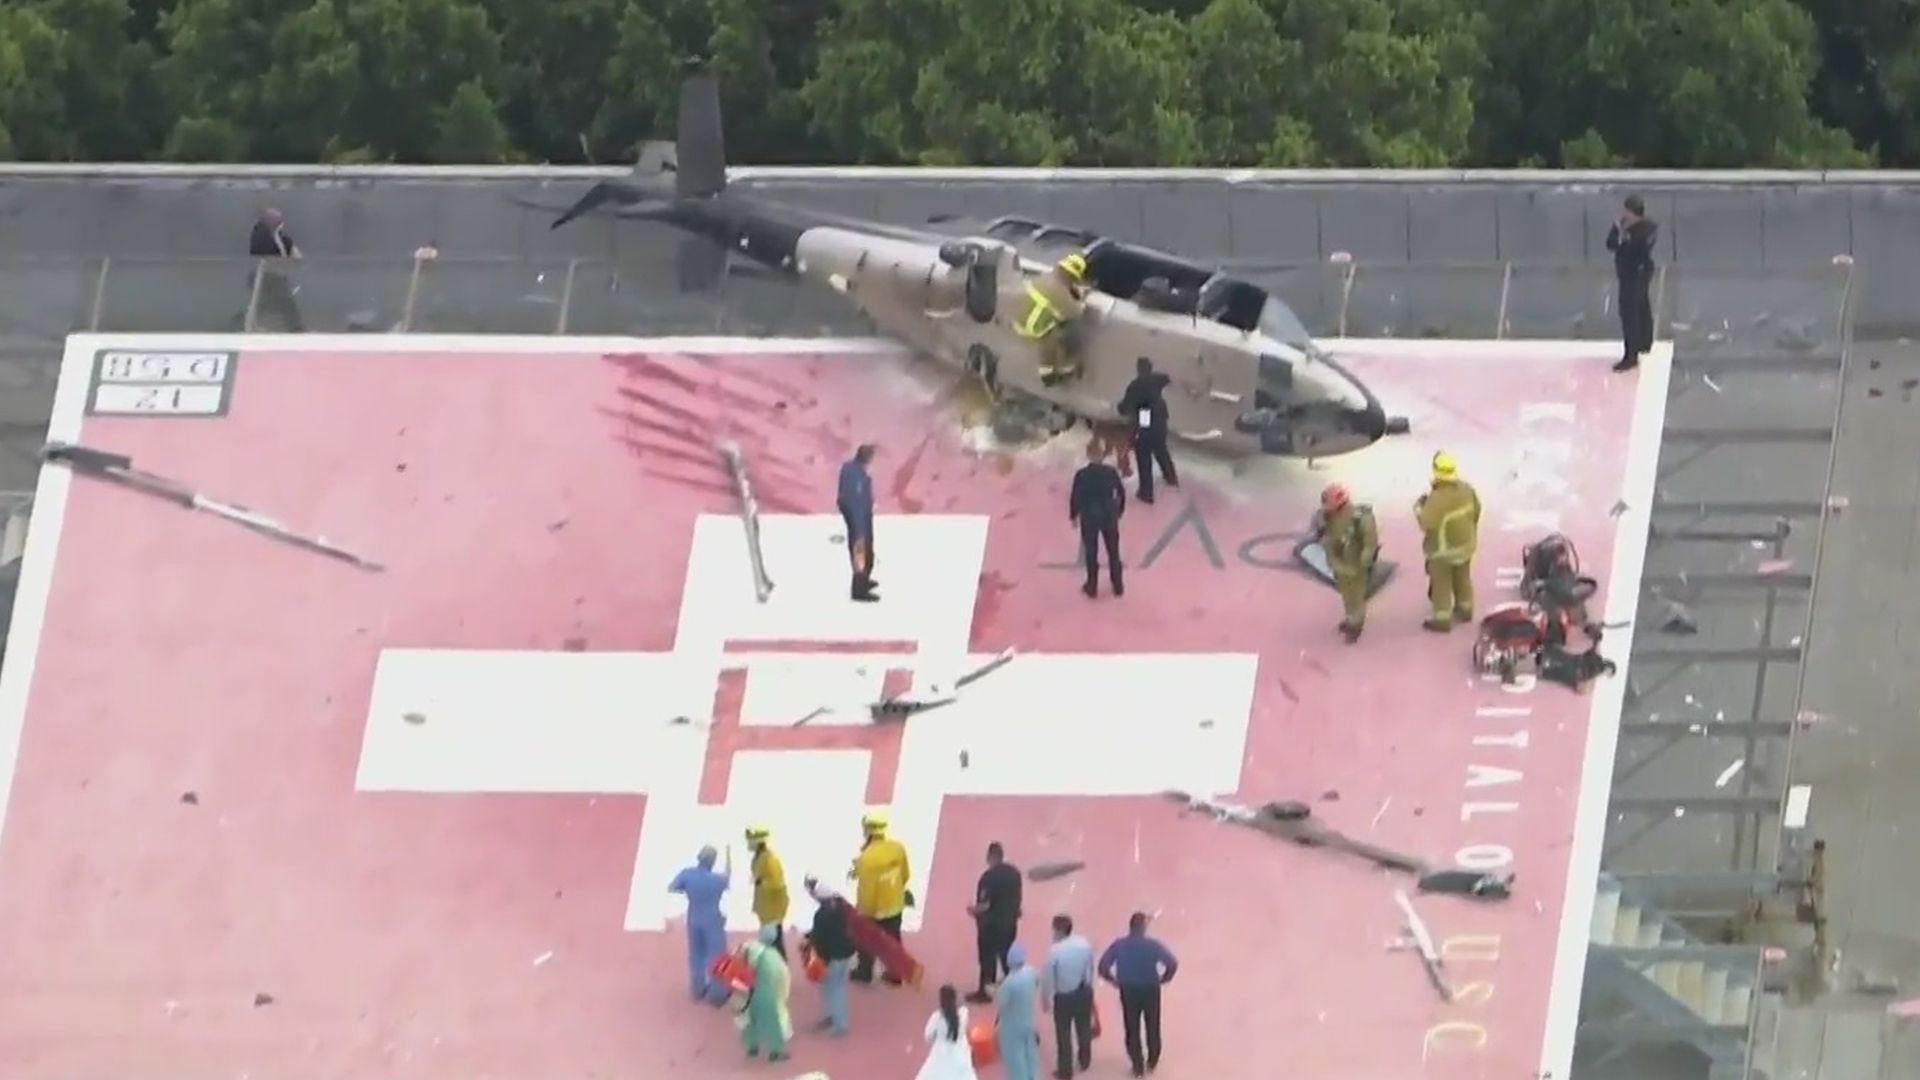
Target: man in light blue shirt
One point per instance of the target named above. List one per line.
(1067, 991)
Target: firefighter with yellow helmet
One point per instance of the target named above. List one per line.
(1351, 541)
(880, 874)
(1449, 516)
(1055, 302)
(770, 898)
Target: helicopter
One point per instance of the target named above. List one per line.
(1246, 377)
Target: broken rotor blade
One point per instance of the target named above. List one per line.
(118, 469)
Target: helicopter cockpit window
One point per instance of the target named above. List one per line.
(1232, 302)
(1275, 382)
(1012, 229)
(1278, 322)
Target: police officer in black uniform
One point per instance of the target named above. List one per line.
(996, 919)
(1096, 503)
(1632, 240)
(1144, 405)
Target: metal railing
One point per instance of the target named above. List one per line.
(48, 298)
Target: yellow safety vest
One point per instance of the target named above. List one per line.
(1042, 317)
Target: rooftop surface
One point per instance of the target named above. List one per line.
(418, 823)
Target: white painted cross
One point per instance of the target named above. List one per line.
(602, 723)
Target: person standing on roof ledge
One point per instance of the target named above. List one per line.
(1449, 516)
(1351, 541)
(1632, 241)
(1055, 302)
(770, 899)
(1144, 405)
(856, 513)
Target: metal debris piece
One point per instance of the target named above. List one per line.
(1619, 508)
(1051, 870)
(260, 1000)
(118, 469)
(736, 464)
(964, 759)
(1293, 822)
(1423, 941)
(190, 798)
(896, 709)
(574, 644)
(415, 718)
(1676, 618)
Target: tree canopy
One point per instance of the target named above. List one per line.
(1488, 83)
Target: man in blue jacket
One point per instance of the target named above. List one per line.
(1139, 966)
(856, 512)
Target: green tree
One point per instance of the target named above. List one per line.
(283, 74)
(468, 130)
(1236, 44)
(1687, 83)
(414, 55)
(1386, 82)
(33, 118)
(106, 80)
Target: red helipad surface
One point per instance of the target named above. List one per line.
(477, 890)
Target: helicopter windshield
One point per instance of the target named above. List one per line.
(1278, 322)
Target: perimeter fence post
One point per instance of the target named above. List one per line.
(253, 296)
(566, 298)
(99, 294)
(413, 293)
(1659, 299)
(1506, 290)
(1347, 273)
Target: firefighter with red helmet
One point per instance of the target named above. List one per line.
(1351, 540)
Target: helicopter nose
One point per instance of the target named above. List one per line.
(1372, 422)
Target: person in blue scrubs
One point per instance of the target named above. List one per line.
(703, 886)
(1016, 1020)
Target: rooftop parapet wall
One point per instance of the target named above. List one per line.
(1754, 219)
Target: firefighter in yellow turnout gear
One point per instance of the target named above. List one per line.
(1449, 516)
(1351, 540)
(770, 898)
(1055, 302)
(880, 874)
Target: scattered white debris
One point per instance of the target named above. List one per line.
(1727, 774)
(1382, 812)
